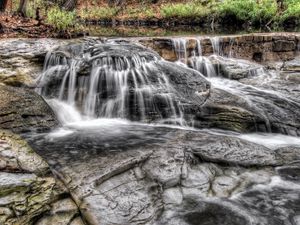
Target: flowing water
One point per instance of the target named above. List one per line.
(116, 97)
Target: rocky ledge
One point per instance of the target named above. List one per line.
(256, 47)
(29, 193)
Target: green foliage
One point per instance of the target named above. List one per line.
(139, 13)
(61, 19)
(184, 10)
(32, 5)
(292, 11)
(255, 11)
(98, 13)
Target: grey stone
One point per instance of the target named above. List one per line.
(24, 110)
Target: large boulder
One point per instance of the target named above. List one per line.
(24, 110)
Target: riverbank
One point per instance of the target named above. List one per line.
(151, 19)
(237, 14)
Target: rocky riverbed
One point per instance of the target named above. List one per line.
(231, 157)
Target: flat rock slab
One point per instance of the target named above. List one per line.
(159, 175)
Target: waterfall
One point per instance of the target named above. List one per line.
(197, 61)
(111, 80)
(215, 42)
(180, 49)
(65, 112)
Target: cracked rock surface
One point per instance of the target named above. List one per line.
(29, 193)
(177, 177)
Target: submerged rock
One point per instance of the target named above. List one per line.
(23, 110)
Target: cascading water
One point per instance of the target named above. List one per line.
(215, 42)
(114, 80)
(180, 49)
(124, 172)
(216, 67)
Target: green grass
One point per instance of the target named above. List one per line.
(292, 11)
(98, 13)
(139, 13)
(251, 11)
(60, 19)
(184, 10)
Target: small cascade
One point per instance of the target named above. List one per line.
(112, 80)
(216, 64)
(231, 44)
(204, 65)
(197, 61)
(180, 48)
(65, 113)
(215, 42)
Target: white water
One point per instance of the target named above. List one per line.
(65, 112)
(121, 75)
(116, 84)
(271, 141)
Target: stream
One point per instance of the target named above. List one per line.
(207, 139)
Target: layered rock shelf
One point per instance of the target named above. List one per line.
(254, 47)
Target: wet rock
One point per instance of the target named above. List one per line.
(26, 194)
(284, 46)
(16, 155)
(231, 150)
(23, 110)
(197, 176)
(62, 212)
(277, 199)
(290, 173)
(164, 84)
(179, 177)
(195, 211)
(222, 111)
(291, 70)
(244, 108)
(257, 47)
(224, 185)
(168, 173)
(18, 71)
(292, 66)
(291, 153)
(236, 69)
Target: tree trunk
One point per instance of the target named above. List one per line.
(3, 4)
(22, 8)
(114, 3)
(70, 5)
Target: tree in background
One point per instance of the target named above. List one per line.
(3, 4)
(70, 5)
(22, 8)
